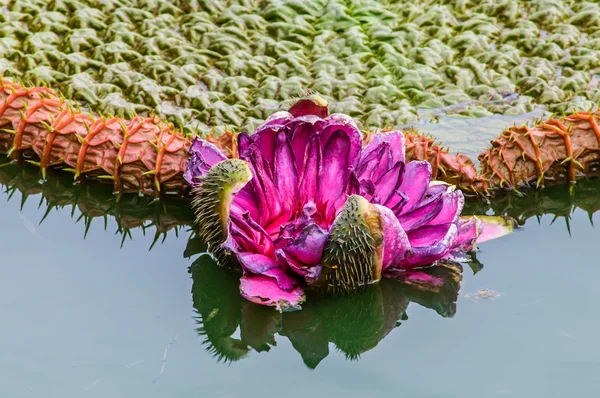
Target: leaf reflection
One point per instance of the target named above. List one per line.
(353, 323)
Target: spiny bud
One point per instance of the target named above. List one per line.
(212, 199)
(353, 254)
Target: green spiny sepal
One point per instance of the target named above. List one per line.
(353, 253)
(212, 201)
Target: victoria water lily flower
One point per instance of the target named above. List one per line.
(306, 204)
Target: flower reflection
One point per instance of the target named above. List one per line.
(354, 323)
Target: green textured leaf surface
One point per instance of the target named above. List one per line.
(210, 63)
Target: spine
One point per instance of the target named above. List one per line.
(555, 151)
(146, 155)
(141, 154)
(95, 201)
(457, 169)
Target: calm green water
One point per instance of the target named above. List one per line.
(89, 318)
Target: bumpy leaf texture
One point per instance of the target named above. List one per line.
(230, 63)
(140, 154)
(146, 155)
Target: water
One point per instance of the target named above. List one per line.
(89, 318)
(462, 135)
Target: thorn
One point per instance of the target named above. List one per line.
(569, 159)
(124, 128)
(24, 197)
(156, 236)
(80, 138)
(125, 233)
(33, 162)
(48, 210)
(156, 147)
(88, 223)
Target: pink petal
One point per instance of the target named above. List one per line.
(245, 235)
(431, 244)
(396, 246)
(415, 183)
(495, 226)
(452, 205)
(262, 236)
(258, 193)
(427, 235)
(422, 279)
(264, 290)
(237, 241)
(302, 134)
(244, 141)
(265, 137)
(394, 140)
(286, 179)
(256, 263)
(335, 172)
(336, 123)
(396, 201)
(245, 201)
(366, 189)
(276, 118)
(435, 190)
(469, 229)
(308, 247)
(263, 183)
(203, 155)
(310, 273)
(374, 164)
(421, 215)
(307, 190)
(389, 183)
(284, 280)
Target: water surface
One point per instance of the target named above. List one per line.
(107, 317)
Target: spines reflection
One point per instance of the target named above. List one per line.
(558, 201)
(95, 201)
(216, 298)
(354, 323)
(170, 215)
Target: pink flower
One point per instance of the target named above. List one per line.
(306, 205)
